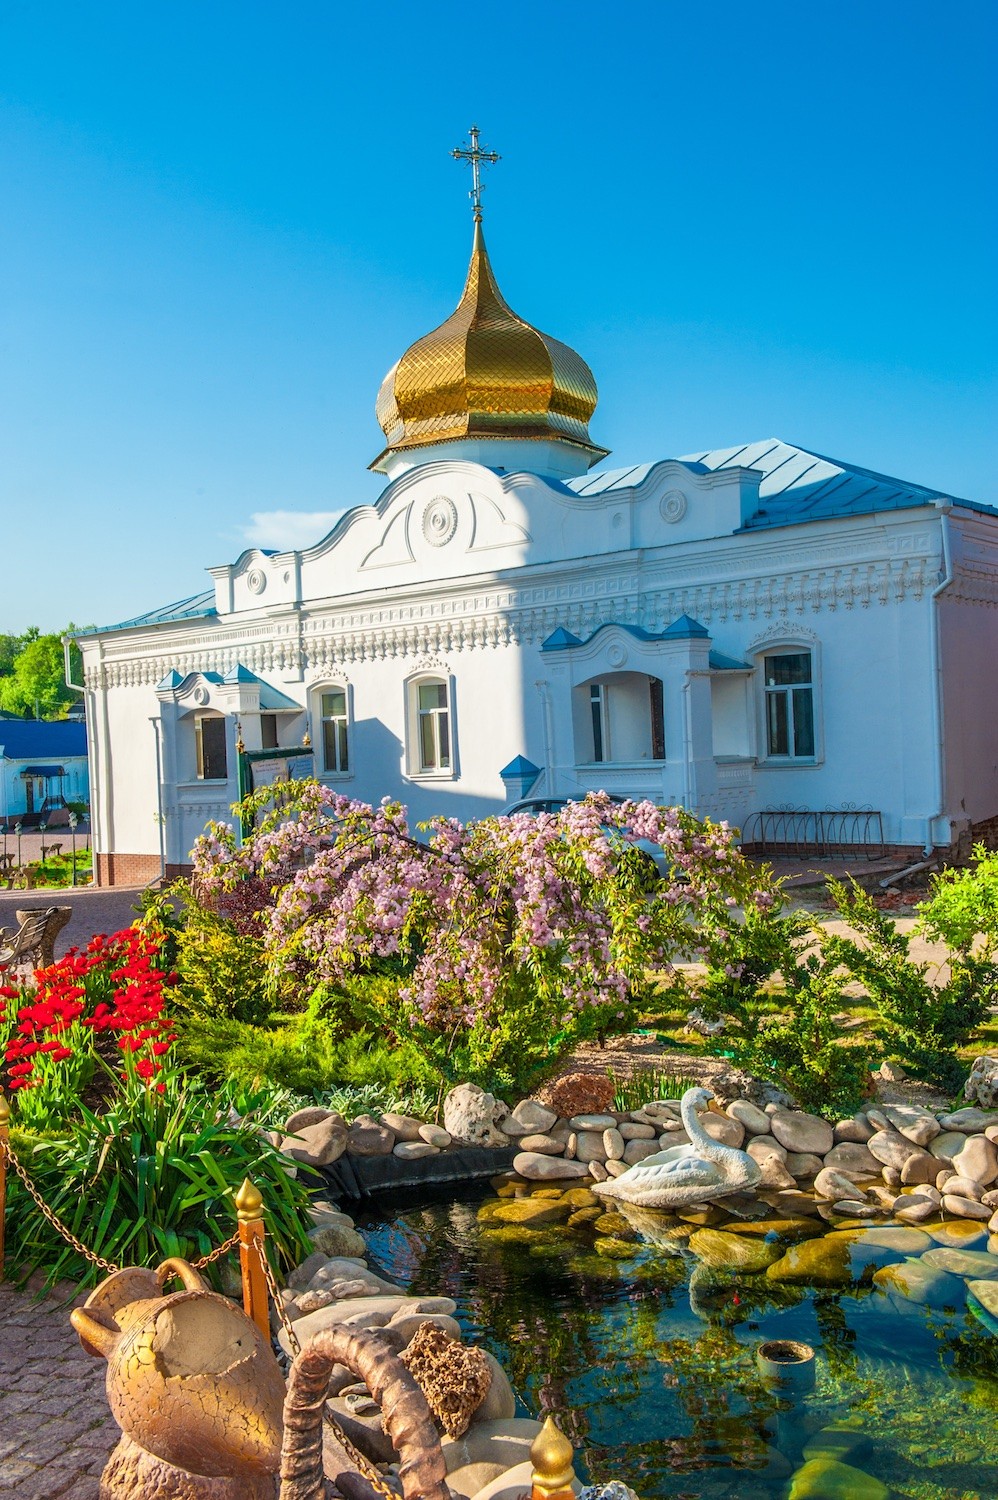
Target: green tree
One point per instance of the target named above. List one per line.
(35, 684)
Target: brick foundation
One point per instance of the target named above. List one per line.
(127, 869)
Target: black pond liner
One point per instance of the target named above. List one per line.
(354, 1177)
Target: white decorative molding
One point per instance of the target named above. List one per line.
(672, 506)
(439, 520)
(256, 580)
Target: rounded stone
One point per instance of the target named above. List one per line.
(403, 1127)
(635, 1151)
(631, 1131)
(435, 1135)
(891, 1148)
(721, 1128)
(802, 1164)
(614, 1168)
(921, 1167)
(336, 1240)
(533, 1212)
(916, 1281)
(828, 1479)
(413, 1150)
(593, 1122)
(965, 1187)
(589, 1146)
(916, 1210)
(948, 1144)
(801, 1132)
(754, 1120)
(367, 1138)
(957, 1234)
(613, 1145)
(969, 1119)
(914, 1123)
(547, 1145)
(978, 1160)
(856, 1129)
(854, 1158)
(530, 1117)
(965, 1208)
(506, 1441)
(319, 1144)
(536, 1167)
(829, 1183)
(303, 1118)
(598, 1172)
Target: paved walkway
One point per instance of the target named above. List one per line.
(55, 1428)
(106, 909)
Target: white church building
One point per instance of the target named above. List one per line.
(754, 630)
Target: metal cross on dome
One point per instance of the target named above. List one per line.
(476, 156)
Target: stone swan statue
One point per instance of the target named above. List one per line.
(693, 1173)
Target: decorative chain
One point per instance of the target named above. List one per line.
(57, 1224)
(216, 1254)
(371, 1473)
(98, 1260)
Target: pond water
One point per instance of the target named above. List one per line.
(648, 1357)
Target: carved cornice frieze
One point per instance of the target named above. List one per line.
(494, 616)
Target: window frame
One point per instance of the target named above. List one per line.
(775, 760)
(210, 716)
(415, 716)
(319, 721)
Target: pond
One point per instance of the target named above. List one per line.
(647, 1354)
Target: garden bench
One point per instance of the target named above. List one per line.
(34, 941)
(48, 849)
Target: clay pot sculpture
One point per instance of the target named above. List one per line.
(193, 1385)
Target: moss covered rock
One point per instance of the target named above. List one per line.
(827, 1479)
(732, 1252)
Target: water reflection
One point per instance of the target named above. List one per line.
(649, 1361)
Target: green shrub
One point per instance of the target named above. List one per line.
(222, 972)
(919, 1022)
(153, 1176)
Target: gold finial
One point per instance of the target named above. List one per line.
(4, 1110)
(249, 1203)
(306, 741)
(551, 1457)
(476, 156)
(240, 747)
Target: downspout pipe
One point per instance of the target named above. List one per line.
(155, 722)
(935, 656)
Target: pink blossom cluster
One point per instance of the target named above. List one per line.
(549, 910)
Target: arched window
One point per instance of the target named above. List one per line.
(334, 737)
(430, 726)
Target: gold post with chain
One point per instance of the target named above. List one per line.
(477, 157)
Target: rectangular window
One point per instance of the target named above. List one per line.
(789, 705)
(657, 708)
(597, 704)
(335, 749)
(209, 738)
(268, 731)
(433, 726)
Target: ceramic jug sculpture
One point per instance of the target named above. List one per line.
(198, 1395)
(694, 1173)
(193, 1385)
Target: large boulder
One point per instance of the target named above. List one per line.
(978, 1160)
(529, 1117)
(538, 1168)
(475, 1117)
(891, 1148)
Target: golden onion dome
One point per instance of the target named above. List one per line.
(485, 373)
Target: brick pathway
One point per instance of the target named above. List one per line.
(94, 910)
(55, 1428)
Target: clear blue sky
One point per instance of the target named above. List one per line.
(222, 222)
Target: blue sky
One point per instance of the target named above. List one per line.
(223, 222)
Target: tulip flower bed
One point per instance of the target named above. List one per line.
(138, 1160)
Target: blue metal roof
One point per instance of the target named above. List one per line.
(198, 606)
(42, 739)
(796, 485)
(684, 629)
